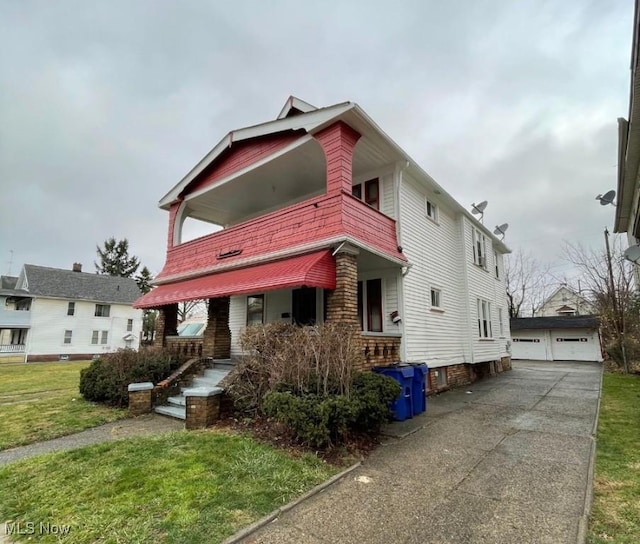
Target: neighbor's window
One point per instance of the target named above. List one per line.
(435, 298)
(370, 298)
(104, 338)
(94, 337)
(432, 210)
(369, 191)
(71, 308)
(479, 254)
(67, 337)
(255, 310)
(484, 318)
(102, 310)
(129, 325)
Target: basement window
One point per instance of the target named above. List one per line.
(440, 375)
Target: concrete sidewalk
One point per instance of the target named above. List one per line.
(505, 460)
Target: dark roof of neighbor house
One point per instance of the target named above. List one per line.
(555, 322)
(55, 282)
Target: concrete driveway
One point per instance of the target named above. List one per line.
(506, 460)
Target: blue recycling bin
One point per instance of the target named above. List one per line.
(419, 387)
(402, 407)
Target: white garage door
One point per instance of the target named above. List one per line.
(529, 345)
(575, 346)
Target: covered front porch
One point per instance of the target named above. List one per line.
(345, 284)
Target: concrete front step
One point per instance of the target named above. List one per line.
(178, 412)
(217, 374)
(177, 400)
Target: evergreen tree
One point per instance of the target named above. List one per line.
(144, 279)
(115, 260)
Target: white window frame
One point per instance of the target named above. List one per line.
(484, 319)
(435, 295)
(501, 322)
(95, 338)
(366, 326)
(104, 338)
(71, 309)
(479, 248)
(496, 263)
(431, 210)
(102, 310)
(129, 325)
(68, 336)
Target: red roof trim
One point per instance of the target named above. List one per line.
(311, 270)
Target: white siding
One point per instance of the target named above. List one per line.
(237, 322)
(386, 195)
(434, 336)
(49, 321)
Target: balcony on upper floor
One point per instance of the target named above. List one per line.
(15, 312)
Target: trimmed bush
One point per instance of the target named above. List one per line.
(107, 378)
(321, 421)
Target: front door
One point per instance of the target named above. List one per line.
(304, 306)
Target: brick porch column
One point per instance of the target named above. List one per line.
(342, 302)
(216, 340)
(166, 324)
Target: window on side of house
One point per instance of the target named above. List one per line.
(94, 337)
(370, 305)
(104, 337)
(496, 263)
(71, 308)
(102, 310)
(255, 310)
(129, 325)
(479, 253)
(436, 296)
(484, 318)
(431, 210)
(67, 337)
(500, 322)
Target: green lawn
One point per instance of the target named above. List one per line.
(178, 487)
(39, 401)
(615, 517)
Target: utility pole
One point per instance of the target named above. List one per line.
(617, 312)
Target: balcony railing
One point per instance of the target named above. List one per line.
(12, 348)
(314, 220)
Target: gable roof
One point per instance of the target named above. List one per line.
(565, 288)
(58, 283)
(555, 322)
(8, 286)
(311, 122)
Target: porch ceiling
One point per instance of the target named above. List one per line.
(285, 180)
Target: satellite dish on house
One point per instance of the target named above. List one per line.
(606, 198)
(632, 253)
(501, 230)
(478, 209)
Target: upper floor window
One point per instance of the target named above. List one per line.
(479, 252)
(129, 325)
(370, 305)
(102, 310)
(436, 298)
(431, 210)
(71, 308)
(67, 337)
(484, 319)
(497, 264)
(369, 191)
(255, 310)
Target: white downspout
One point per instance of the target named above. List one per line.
(397, 182)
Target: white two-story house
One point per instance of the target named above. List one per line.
(49, 314)
(325, 218)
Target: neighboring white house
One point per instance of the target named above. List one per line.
(565, 302)
(313, 203)
(54, 314)
(556, 338)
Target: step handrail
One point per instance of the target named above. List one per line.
(191, 367)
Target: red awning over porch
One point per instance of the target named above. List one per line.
(312, 270)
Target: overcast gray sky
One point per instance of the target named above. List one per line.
(105, 105)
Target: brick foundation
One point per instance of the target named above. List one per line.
(464, 374)
(202, 411)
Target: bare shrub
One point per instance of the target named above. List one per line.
(281, 356)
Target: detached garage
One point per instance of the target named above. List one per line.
(575, 338)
